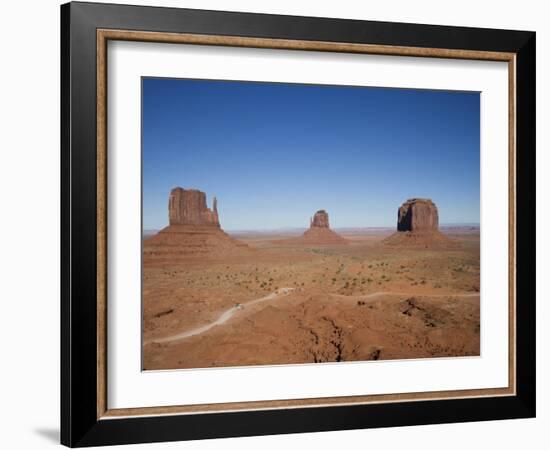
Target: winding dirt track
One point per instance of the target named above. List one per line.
(226, 315)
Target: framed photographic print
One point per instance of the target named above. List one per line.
(276, 224)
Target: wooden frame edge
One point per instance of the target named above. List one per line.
(289, 44)
(214, 408)
(512, 199)
(103, 35)
(101, 225)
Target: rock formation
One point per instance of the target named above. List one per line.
(417, 214)
(319, 232)
(418, 226)
(320, 219)
(188, 207)
(193, 230)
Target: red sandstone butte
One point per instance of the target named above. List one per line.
(188, 207)
(193, 230)
(418, 226)
(319, 232)
(319, 219)
(417, 214)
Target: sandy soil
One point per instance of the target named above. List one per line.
(285, 303)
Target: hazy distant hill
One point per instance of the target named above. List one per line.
(448, 228)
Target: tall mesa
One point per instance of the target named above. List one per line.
(194, 230)
(418, 226)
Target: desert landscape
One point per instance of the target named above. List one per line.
(310, 295)
(290, 223)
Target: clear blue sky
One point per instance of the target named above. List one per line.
(275, 153)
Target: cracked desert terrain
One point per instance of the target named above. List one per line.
(279, 300)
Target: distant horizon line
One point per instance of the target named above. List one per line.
(450, 224)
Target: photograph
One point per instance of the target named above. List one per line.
(302, 224)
